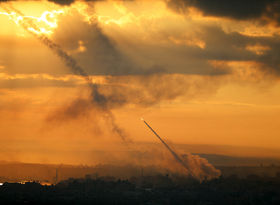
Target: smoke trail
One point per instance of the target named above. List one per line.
(166, 145)
(98, 99)
(196, 166)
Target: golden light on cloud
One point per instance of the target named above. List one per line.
(189, 41)
(45, 23)
(250, 71)
(258, 49)
(137, 17)
(118, 14)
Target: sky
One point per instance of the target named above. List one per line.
(77, 76)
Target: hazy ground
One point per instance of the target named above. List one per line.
(229, 165)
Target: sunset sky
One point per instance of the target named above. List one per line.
(199, 71)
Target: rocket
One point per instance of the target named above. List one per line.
(174, 154)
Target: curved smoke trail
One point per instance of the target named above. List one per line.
(98, 99)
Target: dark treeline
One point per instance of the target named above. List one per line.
(17, 172)
(160, 189)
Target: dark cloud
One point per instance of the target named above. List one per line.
(59, 2)
(238, 9)
(69, 2)
(102, 55)
(270, 58)
(233, 47)
(219, 46)
(63, 2)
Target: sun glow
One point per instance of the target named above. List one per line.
(44, 24)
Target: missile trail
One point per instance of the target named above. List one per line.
(98, 98)
(174, 154)
(68, 60)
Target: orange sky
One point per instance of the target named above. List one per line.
(197, 77)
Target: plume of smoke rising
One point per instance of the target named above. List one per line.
(98, 99)
(200, 168)
(197, 167)
(152, 154)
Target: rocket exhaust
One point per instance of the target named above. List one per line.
(174, 154)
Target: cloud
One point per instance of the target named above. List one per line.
(101, 55)
(62, 2)
(239, 10)
(59, 2)
(136, 91)
(183, 52)
(38, 80)
(32, 83)
(125, 83)
(69, 2)
(130, 91)
(233, 46)
(219, 45)
(139, 91)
